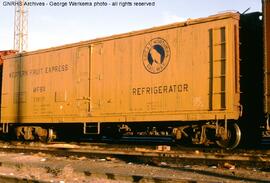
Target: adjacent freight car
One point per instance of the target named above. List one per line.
(2, 55)
(180, 80)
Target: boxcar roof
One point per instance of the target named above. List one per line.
(133, 33)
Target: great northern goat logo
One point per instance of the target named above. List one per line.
(156, 55)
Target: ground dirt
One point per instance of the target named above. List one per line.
(74, 169)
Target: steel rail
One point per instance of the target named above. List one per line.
(260, 158)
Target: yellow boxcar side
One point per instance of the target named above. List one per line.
(180, 72)
(189, 85)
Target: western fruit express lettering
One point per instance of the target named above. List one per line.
(40, 71)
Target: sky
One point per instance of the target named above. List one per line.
(53, 25)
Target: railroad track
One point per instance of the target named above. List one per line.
(84, 149)
(163, 156)
(158, 153)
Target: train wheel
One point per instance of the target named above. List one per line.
(233, 139)
(40, 133)
(48, 135)
(51, 135)
(42, 138)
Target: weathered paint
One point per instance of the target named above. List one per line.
(180, 72)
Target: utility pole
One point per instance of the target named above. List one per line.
(21, 26)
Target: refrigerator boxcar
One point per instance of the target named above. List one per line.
(180, 80)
